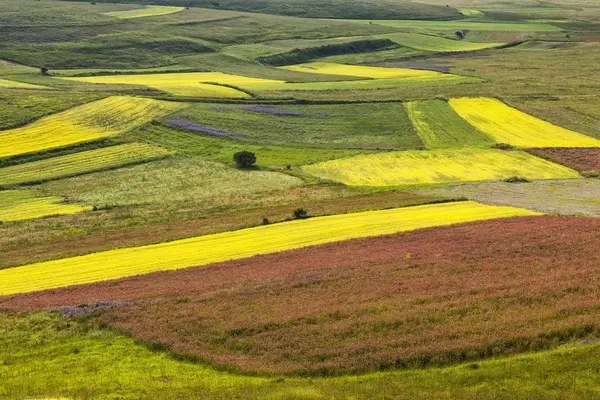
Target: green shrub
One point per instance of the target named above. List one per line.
(244, 159)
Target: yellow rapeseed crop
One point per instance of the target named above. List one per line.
(437, 166)
(219, 247)
(186, 83)
(79, 163)
(148, 11)
(8, 84)
(509, 125)
(365, 71)
(17, 205)
(92, 121)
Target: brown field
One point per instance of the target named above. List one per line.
(580, 159)
(433, 296)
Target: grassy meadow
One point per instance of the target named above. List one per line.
(420, 219)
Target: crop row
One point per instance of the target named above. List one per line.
(208, 249)
(80, 163)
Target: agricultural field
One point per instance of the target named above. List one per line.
(340, 126)
(509, 125)
(209, 249)
(80, 163)
(18, 205)
(299, 199)
(89, 122)
(438, 166)
(440, 127)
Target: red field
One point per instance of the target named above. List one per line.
(580, 159)
(432, 296)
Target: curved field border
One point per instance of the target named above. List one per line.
(209, 249)
(89, 122)
(429, 297)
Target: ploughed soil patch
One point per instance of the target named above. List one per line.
(433, 296)
(580, 159)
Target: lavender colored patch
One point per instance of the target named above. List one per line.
(83, 309)
(201, 128)
(270, 109)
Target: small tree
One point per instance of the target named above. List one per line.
(300, 213)
(244, 159)
(460, 34)
(44, 71)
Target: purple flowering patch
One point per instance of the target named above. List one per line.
(270, 109)
(83, 309)
(201, 128)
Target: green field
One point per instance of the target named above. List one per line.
(340, 126)
(440, 127)
(148, 11)
(470, 25)
(52, 362)
(80, 163)
(172, 181)
(437, 166)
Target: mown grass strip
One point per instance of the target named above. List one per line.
(509, 125)
(437, 166)
(89, 122)
(439, 126)
(244, 243)
(80, 163)
(18, 205)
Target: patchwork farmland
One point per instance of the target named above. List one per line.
(290, 199)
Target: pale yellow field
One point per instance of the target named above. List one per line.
(148, 11)
(186, 84)
(92, 121)
(17, 205)
(8, 84)
(244, 243)
(365, 71)
(437, 166)
(509, 125)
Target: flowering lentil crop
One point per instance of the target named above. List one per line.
(244, 243)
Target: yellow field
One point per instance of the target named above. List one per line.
(92, 121)
(80, 163)
(437, 166)
(7, 84)
(365, 71)
(148, 11)
(17, 205)
(508, 125)
(471, 12)
(185, 84)
(244, 243)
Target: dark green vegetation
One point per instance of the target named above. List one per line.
(547, 68)
(360, 9)
(298, 56)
